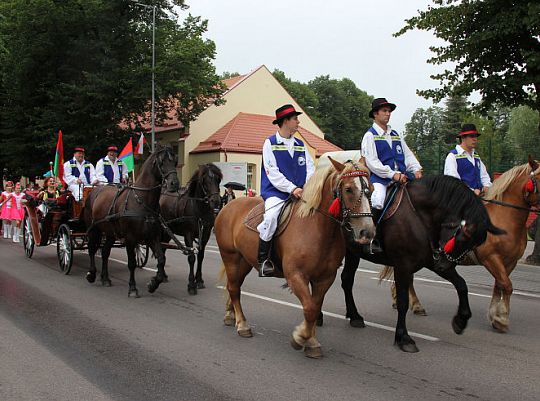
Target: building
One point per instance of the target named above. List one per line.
(235, 131)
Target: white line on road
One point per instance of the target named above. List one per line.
(371, 324)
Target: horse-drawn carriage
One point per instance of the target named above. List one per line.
(59, 222)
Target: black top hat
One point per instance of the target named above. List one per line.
(378, 103)
(112, 149)
(285, 112)
(468, 129)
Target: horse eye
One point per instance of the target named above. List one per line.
(348, 190)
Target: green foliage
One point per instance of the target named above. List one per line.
(85, 66)
(522, 133)
(227, 75)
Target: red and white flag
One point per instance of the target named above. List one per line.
(139, 149)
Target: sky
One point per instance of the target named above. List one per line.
(341, 38)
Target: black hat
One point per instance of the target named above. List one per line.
(284, 112)
(378, 103)
(468, 129)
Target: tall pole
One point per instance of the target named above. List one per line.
(153, 77)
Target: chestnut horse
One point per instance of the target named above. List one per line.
(509, 202)
(308, 252)
(131, 213)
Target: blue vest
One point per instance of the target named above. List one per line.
(392, 157)
(293, 168)
(108, 171)
(75, 170)
(469, 174)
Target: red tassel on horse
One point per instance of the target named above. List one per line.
(529, 186)
(449, 247)
(335, 208)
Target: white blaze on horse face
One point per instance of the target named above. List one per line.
(364, 228)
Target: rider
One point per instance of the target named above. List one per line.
(110, 170)
(464, 163)
(387, 155)
(286, 167)
(78, 172)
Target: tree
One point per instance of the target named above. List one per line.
(85, 67)
(453, 118)
(227, 75)
(492, 43)
(301, 92)
(521, 133)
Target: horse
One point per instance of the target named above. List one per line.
(191, 213)
(509, 202)
(310, 249)
(438, 221)
(131, 213)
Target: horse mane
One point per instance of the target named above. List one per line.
(201, 172)
(502, 183)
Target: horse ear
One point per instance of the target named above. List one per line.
(337, 165)
(362, 161)
(533, 163)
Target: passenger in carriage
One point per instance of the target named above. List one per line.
(110, 170)
(464, 163)
(50, 190)
(77, 173)
(286, 166)
(387, 155)
(6, 201)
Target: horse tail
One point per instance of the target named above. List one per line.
(386, 273)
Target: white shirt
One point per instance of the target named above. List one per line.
(100, 171)
(450, 166)
(278, 180)
(70, 179)
(369, 151)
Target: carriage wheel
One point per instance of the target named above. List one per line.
(64, 248)
(141, 255)
(28, 238)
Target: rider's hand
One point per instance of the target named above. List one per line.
(399, 177)
(418, 174)
(79, 181)
(477, 192)
(297, 193)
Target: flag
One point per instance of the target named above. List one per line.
(126, 155)
(58, 169)
(139, 149)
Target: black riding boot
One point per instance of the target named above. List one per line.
(375, 246)
(266, 267)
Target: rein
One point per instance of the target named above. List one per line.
(527, 209)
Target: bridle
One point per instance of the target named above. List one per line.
(353, 213)
(530, 188)
(164, 175)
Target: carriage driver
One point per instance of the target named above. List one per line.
(286, 167)
(463, 162)
(387, 155)
(78, 173)
(110, 170)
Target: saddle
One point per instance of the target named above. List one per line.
(394, 196)
(255, 217)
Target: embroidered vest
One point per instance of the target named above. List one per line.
(108, 171)
(75, 170)
(392, 157)
(293, 168)
(469, 173)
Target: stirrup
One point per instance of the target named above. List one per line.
(266, 269)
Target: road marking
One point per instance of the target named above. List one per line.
(370, 324)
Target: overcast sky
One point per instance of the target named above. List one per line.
(341, 38)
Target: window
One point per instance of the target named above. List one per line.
(251, 175)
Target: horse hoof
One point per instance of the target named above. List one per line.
(313, 352)
(90, 277)
(192, 290)
(408, 347)
(165, 279)
(246, 333)
(295, 345)
(200, 285)
(358, 323)
(133, 293)
(458, 325)
(420, 312)
(106, 283)
(229, 321)
(499, 327)
(152, 286)
(394, 306)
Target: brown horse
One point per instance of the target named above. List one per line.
(310, 249)
(131, 213)
(509, 201)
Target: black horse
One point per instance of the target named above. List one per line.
(130, 213)
(191, 213)
(438, 222)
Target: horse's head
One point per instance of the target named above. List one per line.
(352, 204)
(164, 163)
(530, 188)
(204, 185)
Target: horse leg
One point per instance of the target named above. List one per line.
(155, 281)
(132, 264)
(347, 282)
(402, 338)
(229, 319)
(105, 253)
(416, 306)
(460, 320)
(499, 308)
(200, 256)
(236, 268)
(192, 286)
(94, 237)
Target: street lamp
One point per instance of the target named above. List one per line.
(153, 68)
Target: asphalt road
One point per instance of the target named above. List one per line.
(64, 339)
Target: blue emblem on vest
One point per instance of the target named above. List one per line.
(293, 168)
(393, 157)
(469, 173)
(108, 171)
(75, 170)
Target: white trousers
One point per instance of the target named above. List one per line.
(272, 207)
(76, 191)
(378, 195)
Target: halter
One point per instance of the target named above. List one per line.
(158, 165)
(350, 213)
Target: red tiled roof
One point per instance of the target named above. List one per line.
(246, 133)
(230, 82)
